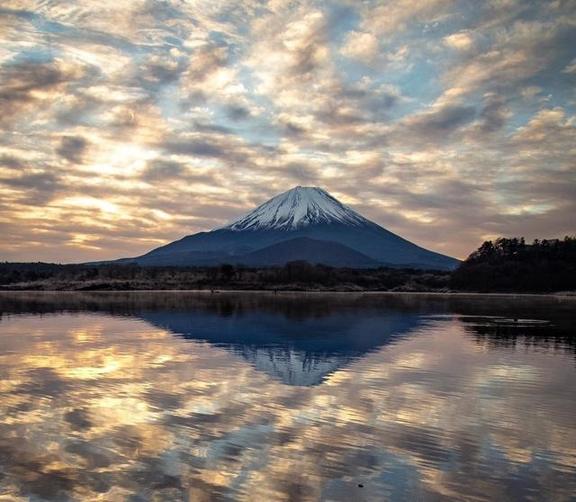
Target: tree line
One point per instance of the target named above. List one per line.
(296, 275)
(510, 265)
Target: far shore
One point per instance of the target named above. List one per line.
(568, 295)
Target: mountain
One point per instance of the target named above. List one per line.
(304, 223)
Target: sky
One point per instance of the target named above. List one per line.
(128, 124)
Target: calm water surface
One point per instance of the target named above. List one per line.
(258, 397)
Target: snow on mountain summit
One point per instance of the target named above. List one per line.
(298, 208)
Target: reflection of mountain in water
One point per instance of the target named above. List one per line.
(295, 351)
(302, 338)
(291, 366)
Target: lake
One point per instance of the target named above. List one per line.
(289, 397)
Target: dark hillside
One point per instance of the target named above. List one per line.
(511, 265)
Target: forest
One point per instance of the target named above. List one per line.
(512, 265)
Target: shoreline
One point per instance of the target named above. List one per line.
(215, 291)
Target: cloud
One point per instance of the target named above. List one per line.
(159, 171)
(363, 46)
(462, 41)
(39, 188)
(27, 85)
(494, 114)
(551, 126)
(531, 91)
(571, 67)
(11, 162)
(437, 124)
(205, 61)
(72, 148)
(237, 112)
(196, 148)
(392, 18)
(163, 170)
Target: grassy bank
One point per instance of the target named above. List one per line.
(295, 276)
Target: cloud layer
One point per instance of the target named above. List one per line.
(128, 124)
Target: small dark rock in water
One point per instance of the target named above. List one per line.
(360, 485)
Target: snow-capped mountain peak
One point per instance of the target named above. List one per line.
(298, 208)
(305, 223)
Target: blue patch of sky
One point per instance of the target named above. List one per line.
(556, 85)
(420, 83)
(21, 13)
(173, 41)
(35, 55)
(341, 20)
(164, 97)
(219, 38)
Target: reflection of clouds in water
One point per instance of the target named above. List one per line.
(101, 407)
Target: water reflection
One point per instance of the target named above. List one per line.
(187, 397)
(303, 351)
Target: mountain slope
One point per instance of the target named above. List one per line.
(310, 250)
(302, 212)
